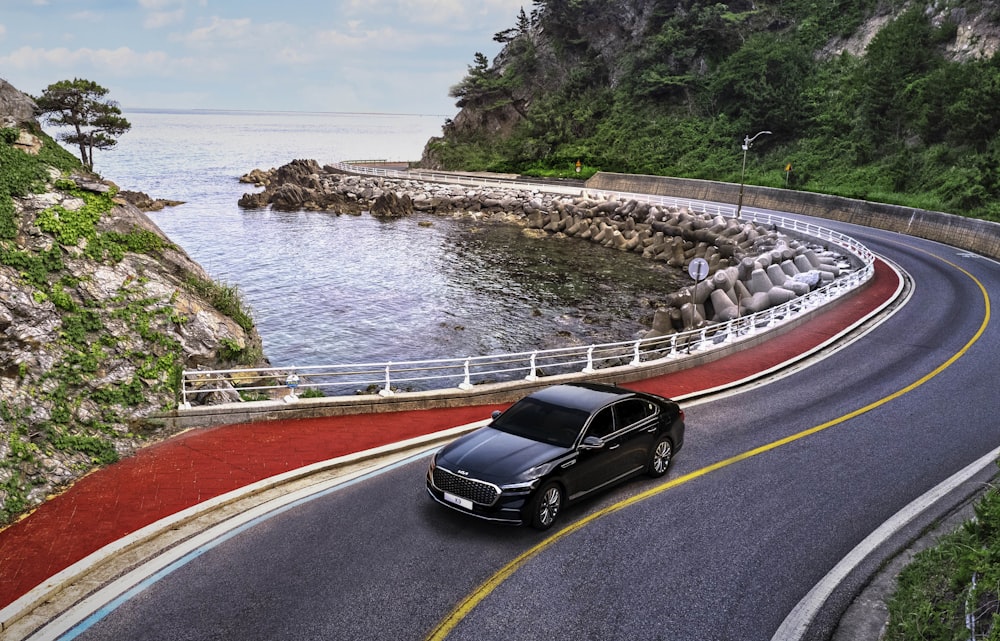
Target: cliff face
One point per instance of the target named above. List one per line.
(663, 52)
(99, 314)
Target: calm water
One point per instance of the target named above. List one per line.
(330, 289)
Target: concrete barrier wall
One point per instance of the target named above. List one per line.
(489, 394)
(980, 236)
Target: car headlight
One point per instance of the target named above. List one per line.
(528, 479)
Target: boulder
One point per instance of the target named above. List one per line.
(16, 108)
(391, 205)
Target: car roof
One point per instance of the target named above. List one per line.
(581, 396)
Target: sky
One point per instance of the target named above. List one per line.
(369, 56)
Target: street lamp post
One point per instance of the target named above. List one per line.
(747, 141)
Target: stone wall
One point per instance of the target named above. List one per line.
(980, 236)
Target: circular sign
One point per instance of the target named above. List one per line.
(698, 268)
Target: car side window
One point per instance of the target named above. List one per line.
(602, 424)
(634, 410)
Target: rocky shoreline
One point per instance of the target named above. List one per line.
(99, 314)
(751, 267)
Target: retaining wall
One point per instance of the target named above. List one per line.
(980, 236)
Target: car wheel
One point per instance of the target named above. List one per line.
(546, 505)
(659, 457)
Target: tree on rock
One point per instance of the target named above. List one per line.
(80, 104)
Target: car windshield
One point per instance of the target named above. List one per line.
(543, 422)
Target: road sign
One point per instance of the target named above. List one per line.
(698, 268)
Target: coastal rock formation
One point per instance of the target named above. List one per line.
(751, 267)
(16, 108)
(143, 202)
(99, 313)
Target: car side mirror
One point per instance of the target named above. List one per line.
(592, 443)
(495, 414)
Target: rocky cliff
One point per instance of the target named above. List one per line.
(99, 314)
(557, 90)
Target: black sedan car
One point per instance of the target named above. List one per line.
(555, 446)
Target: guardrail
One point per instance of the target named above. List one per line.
(388, 378)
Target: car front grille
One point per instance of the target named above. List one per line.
(476, 491)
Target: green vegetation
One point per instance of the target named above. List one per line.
(225, 298)
(93, 121)
(951, 592)
(904, 123)
(23, 173)
(130, 333)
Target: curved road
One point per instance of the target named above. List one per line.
(774, 486)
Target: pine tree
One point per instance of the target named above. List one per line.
(80, 105)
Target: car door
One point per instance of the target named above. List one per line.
(637, 423)
(594, 468)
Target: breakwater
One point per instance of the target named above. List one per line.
(980, 236)
(751, 267)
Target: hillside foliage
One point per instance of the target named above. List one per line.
(682, 83)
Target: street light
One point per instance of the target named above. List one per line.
(746, 145)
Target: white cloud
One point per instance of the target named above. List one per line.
(384, 38)
(122, 61)
(162, 13)
(460, 12)
(85, 16)
(220, 29)
(367, 55)
(159, 19)
(160, 5)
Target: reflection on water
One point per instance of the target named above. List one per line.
(327, 289)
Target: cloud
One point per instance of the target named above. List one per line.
(459, 13)
(122, 61)
(162, 12)
(368, 55)
(159, 19)
(86, 16)
(158, 5)
(454, 14)
(225, 30)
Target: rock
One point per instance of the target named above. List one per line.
(16, 108)
(258, 177)
(253, 201)
(391, 205)
(92, 343)
(746, 261)
(144, 203)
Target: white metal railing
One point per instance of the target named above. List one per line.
(388, 378)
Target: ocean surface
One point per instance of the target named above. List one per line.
(330, 289)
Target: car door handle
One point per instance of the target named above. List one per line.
(615, 446)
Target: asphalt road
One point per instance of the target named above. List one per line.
(708, 554)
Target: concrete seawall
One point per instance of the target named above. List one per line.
(980, 236)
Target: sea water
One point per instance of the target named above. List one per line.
(333, 289)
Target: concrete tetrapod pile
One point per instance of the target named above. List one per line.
(752, 267)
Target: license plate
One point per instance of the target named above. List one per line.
(458, 500)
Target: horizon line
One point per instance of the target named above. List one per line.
(283, 111)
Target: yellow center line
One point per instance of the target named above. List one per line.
(456, 616)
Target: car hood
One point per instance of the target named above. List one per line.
(496, 456)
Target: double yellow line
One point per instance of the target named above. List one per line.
(456, 616)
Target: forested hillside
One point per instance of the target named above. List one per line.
(883, 100)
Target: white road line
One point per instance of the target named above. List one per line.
(799, 619)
